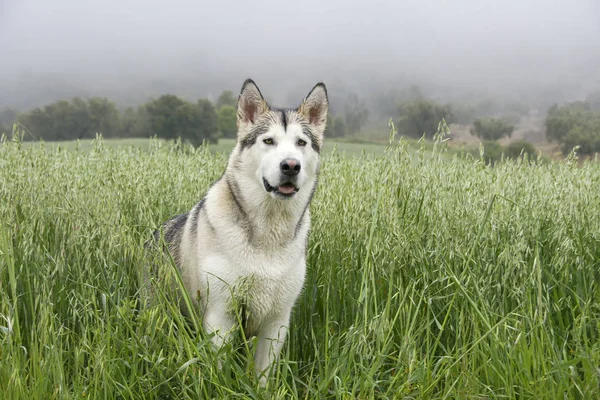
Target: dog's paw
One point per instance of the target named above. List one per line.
(262, 381)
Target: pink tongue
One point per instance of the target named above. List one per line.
(286, 189)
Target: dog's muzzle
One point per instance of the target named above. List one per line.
(287, 189)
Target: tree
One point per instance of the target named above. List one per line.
(561, 119)
(586, 136)
(60, 127)
(336, 127)
(515, 149)
(135, 122)
(574, 124)
(8, 116)
(38, 123)
(205, 123)
(422, 116)
(356, 113)
(103, 116)
(80, 123)
(492, 152)
(226, 99)
(491, 128)
(169, 116)
(593, 100)
(227, 121)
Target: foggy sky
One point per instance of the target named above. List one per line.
(477, 43)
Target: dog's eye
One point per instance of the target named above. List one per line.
(301, 142)
(268, 141)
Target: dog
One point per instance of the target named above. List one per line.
(244, 244)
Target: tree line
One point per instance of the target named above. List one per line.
(170, 117)
(570, 125)
(167, 117)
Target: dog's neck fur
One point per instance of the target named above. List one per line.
(268, 222)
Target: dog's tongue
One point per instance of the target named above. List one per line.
(286, 189)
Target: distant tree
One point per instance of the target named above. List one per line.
(561, 119)
(8, 116)
(422, 116)
(336, 127)
(169, 117)
(226, 99)
(128, 122)
(61, 127)
(38, 123)
(135, 122)
(104, 117)
(356, 113)
(492, 152)
(491, 129)
(205, 123)
(586, 135)
(77, 119)
(227, 121)
(593, 99)
(520, 147)
(80, 123)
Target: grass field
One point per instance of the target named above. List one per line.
(223, 146)
(429, 276)
(344, 147)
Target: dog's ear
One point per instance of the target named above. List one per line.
(315, 106)
(251, 104)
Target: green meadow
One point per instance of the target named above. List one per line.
(431, 275)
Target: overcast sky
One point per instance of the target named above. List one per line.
(480, 42)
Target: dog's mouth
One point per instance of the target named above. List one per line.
(287, 189)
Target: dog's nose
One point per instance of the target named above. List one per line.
(290, 166)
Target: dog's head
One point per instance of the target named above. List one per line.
(281, 147)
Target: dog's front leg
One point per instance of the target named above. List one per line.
(271, 337)
(220, 324)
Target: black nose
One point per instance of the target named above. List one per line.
(290, 166)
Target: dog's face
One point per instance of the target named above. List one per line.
(281, 146)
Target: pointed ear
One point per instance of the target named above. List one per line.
(315, 106)
(251, 104)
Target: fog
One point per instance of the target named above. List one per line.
(130, 50)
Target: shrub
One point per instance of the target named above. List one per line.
(491, 128)
(492, 152)
(422, 116)
(574, 124)
(520, 147)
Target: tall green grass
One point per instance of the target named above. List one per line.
(427, 278)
